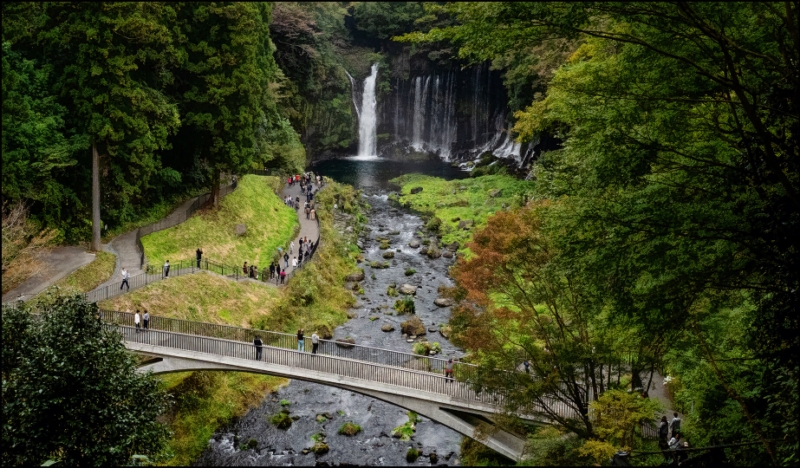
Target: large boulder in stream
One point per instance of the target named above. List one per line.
(407, 289)
(413, 327)
(387, 327)
(358, 276)
(443, 302)
(414, 243)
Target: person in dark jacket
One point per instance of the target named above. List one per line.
(199, 255)
(258, 345)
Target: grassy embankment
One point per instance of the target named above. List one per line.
(455, 201)
(314, 297)
(269, 224)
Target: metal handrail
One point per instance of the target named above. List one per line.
(289, 341)
(408, 378)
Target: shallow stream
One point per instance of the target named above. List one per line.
(374, 445)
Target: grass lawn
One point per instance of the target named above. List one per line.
(458, 200)
(202, 297)
(90, 276)
(269, 223)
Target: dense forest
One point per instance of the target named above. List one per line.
(662, 234)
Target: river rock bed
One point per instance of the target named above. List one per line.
(374, 445)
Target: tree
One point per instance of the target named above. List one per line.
(71, 391)
(521, 303)
(224, 84)
(679, 173)
(111, 59)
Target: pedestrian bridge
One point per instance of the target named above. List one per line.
(407, 380)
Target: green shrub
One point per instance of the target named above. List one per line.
(434, 224)
(282, 420)
(285, 403)
(391, 291)
(436, 347)
(410, 271)
(405, 306)
(252, 443)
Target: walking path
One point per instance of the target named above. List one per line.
(61, 261)
(58, 263)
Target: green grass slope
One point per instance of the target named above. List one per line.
(269, 224)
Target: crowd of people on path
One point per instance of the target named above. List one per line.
(306, 182)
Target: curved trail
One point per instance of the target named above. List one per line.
(62, 261)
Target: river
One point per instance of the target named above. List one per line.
(374, 445)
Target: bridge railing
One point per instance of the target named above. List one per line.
(462, 370)
(407, 378)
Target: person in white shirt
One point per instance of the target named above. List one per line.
(294, 262)
(314, 343)
(136, 320)
(125, 280)
(166, 269)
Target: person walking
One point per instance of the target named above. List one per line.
(166, 269)
(314, 343)
(199, 255)
(136, 320)
(291, 247)
(675, 424)
(125, 280)
(272, 270)
(308, 211)
(258, 344)
(527, 365)
(146, 320)
(277, 273)
(294, 263)
(675, 445)
(301, 345)
(283, 276)
(313, 214)
(244, 268)
(448, 370)
(286, 259)
(663, 433)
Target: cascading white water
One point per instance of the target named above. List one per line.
(416, 139)
(355, 101)
(367, 122)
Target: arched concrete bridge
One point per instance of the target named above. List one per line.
(407, 380)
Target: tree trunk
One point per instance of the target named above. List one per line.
(601, 380)
(95, 199)
(215, 188)
(650, 380)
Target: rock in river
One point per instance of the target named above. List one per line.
(407, 289)
(443, 302)
(387, 327)
(413, 327)
(358, 276)
(414, 243)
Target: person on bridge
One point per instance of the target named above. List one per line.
(258, 345)
(199, 255)
(166, 269)
(136, 320)
(314, 343)
(301, 344)
(663, 432)
(124, 280)
(448, 370)
(146, 320)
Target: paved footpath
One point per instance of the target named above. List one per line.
(308, 227)
(61, 261)
(58, 263)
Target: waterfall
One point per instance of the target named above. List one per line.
(416, 139)
(355, 101)
(367, 122)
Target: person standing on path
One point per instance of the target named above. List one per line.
(166, 269)
(527, 365)
(291, 247)
(301, 344)
(258, 345)
(663, 432)
(675, 424)
(283, 276)
(278, 273)
(272, 270)
(448, 370)
(146, 320)
(314, 343)
(136, 320)
(199, 255)
(294, 263)
(313, 214)
(286, 259)
(124, 280)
